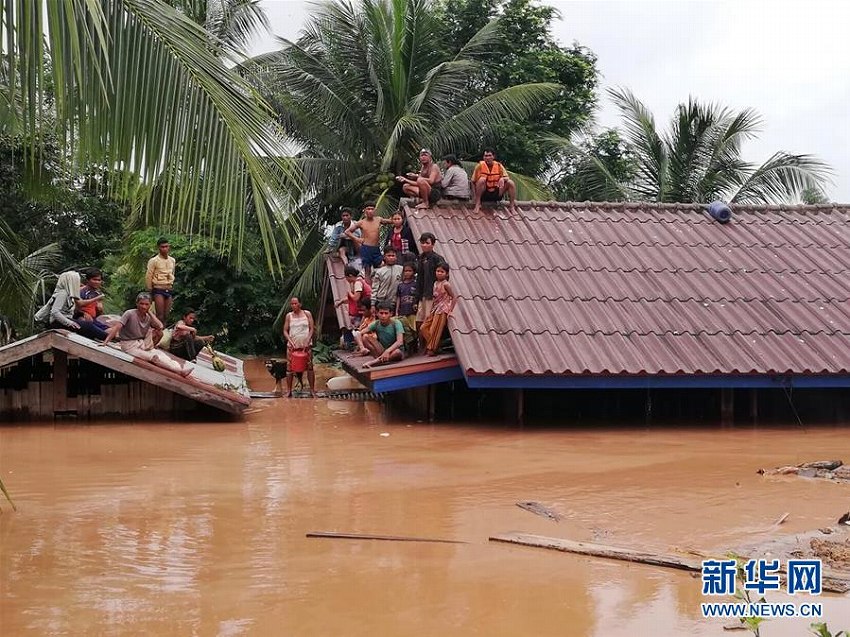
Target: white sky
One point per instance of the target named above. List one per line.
(788, 60)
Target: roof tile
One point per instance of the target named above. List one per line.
(601, 288)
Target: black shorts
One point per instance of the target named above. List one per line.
(455, 198)
(491, 195)
(436, 195)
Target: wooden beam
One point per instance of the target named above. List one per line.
(19, 350)
(386, 538)
(520, 406)
(833, 582)
(754, 405)
(727, 406)
(231, 402)
(599, 550)
(61, 403)
(323, 298)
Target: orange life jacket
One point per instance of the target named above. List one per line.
(492, 174)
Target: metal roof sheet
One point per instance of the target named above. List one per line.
(641, 288)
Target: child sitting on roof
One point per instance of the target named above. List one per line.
(444, 302)
(383, 339)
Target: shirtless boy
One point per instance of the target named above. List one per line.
(370, 227)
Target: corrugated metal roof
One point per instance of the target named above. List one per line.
(587, 288)
(339, 287)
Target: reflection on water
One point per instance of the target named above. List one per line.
(199, 529)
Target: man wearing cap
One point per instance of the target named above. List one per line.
(427, 184)
(455, 180)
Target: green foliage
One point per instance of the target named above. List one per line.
(323, 353)
(577, 177)
(367, 85)
(822, 630)
(526, 52)
(698, 158)
(238, 307)
(136, 86)
(70, 212)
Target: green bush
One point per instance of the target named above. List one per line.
(238, 307)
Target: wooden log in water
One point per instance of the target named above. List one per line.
(599, 550)
(832, 581)
(386, 538)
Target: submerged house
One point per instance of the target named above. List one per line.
(59, 373)
(637, 306)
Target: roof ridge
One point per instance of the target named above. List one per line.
(683, 332)
(635, 205)
(558, 268)
(620, 299)
(643, 244)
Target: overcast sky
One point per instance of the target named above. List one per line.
(788, 60)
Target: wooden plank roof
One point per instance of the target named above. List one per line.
(225, 391)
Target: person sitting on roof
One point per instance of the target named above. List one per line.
(345, 247)
(383, 339)
(491, 182)
(400, 238)
(60, 309)
(455, 180)
(444, 303)
(185, 342)
(427, 184)
(90, 304)
(135, 330)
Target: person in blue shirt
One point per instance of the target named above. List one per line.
(346, 248)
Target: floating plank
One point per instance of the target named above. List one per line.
(539, 509)
(386, 538)
(599, 550)
(832, 582)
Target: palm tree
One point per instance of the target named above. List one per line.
(698, 159)
(136, 89)
(21, 274)
(369, 84)
(231, 23)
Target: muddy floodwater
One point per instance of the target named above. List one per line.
(199, 529)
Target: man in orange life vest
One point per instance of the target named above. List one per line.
(491, 182)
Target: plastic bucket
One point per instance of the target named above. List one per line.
(298, 360)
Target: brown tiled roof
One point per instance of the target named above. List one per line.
(635, 289)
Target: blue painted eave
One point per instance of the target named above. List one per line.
(420, 379)
(689, 381)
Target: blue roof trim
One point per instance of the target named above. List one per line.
(689, 381)
(420, 379)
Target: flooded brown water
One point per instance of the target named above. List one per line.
(199, 529)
